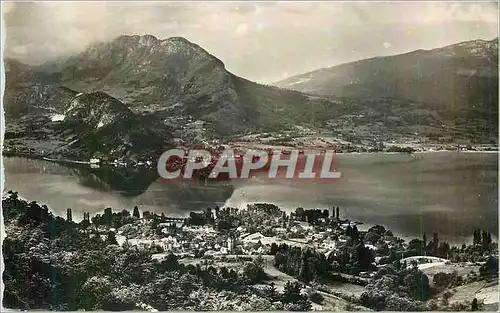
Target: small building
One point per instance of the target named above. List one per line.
(230, 244)
(253, 238)
(303, 225)
(280, 230)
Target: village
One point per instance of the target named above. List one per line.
(258, 257)
(230, 238)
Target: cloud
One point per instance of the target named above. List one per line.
(257, 40)
(242, 29)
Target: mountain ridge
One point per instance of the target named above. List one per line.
(279, 82)
(191, 96)
(460, 81)
(306, 85)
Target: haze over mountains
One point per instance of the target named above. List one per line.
(132, 95)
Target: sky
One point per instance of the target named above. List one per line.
(261, 41)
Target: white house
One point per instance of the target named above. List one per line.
(253, 238)
(230, 244)
(280, 230)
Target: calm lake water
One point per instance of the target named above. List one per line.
(448, 192)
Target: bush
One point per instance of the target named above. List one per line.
(396, 303)
(253, 272)
(490, 268)
(316, 297)
(441, 279)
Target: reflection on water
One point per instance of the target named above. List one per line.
(86, 189)
(449, 193)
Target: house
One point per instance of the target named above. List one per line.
(371, 247)
(253, 238)
(241, 229)
(304, 225)
(328, 253)
(224, 250)
(230, 244)
(280, 230)
(209, 253)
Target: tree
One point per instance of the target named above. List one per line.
(348, 230)
(417, 245)
(170, 263)
(477, 237)
(280, 259)
(435, 241)
(136, 213)
(274, 248)
(156, 222)
(326, 213)
(416, 284)
(291, 293)
(486, 240)
(108, 216)
(305, 272)
(398, 303)
(441, 279)
(315, 296)
(364, 256)
(69, 216)
(111, 238)
(85, 223)
(397, 264)
(352, 232)
(272, 292)
(253, 272)
(444, 249)
(259, 261)
(474, 306)
(223, 224)
(392, 255)
(371, 237)
(490, 268)
(300, 214)
(209, 215)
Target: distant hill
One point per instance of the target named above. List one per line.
(457, 74)
(102, 125)
(460, 79)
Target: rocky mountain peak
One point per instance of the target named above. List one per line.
(144, 40)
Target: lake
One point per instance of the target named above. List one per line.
(446, 192)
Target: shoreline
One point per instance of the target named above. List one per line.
(361, 225)
(69, 161)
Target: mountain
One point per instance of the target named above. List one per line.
(177, 78)
(102, 125)
(29, 91)
(174, 79)
(135, 95)
(460, 79)
(431, 76)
